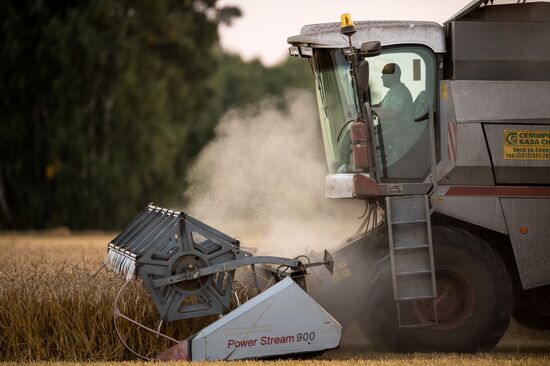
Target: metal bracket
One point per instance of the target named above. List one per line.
(225, 267)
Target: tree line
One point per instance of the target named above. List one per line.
(105, 104)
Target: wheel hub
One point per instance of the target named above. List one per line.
(189, 263)
(454, 304)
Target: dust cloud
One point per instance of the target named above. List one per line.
(262, 180)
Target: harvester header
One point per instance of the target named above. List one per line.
(188, 269)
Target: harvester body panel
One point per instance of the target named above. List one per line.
(494, 170)
(527, 220)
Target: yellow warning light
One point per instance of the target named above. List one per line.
(523, 230)
(346, 20)
(347, 25)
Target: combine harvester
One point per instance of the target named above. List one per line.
(445, 130)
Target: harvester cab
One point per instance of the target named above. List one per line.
(353, 67)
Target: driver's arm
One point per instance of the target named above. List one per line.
(392, 108)
(386, 113)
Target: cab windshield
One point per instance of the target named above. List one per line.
(402, 83)
(338, 105)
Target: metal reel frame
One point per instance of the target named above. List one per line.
(118, 314)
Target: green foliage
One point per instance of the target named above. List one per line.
(247, 83)
(106, 102)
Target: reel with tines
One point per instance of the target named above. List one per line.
(160, 243)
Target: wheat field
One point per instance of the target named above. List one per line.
(56, 307)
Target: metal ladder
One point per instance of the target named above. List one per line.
(411, 254)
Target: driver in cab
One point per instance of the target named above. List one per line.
(397, 105)
(395, 113)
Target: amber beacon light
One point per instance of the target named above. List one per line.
(347, 26)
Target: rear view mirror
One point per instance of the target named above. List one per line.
(363, 77)
(370, 49)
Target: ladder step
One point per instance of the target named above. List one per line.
(413, 273)
(427, 297)
(411, 253)
(409, 222)
(411, 247)
(419, 326)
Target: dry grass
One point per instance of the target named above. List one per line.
(56, 305)
(53, 308)
(386, 360)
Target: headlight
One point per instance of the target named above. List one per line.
(294, 51)
(301, 51)
(306, 51)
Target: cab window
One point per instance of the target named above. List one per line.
(402, 85)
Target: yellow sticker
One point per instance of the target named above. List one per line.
(527, 144)
(341, 271)
(344, 269)
(444, 91)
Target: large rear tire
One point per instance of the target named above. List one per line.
(533, 310)
(474, 300)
